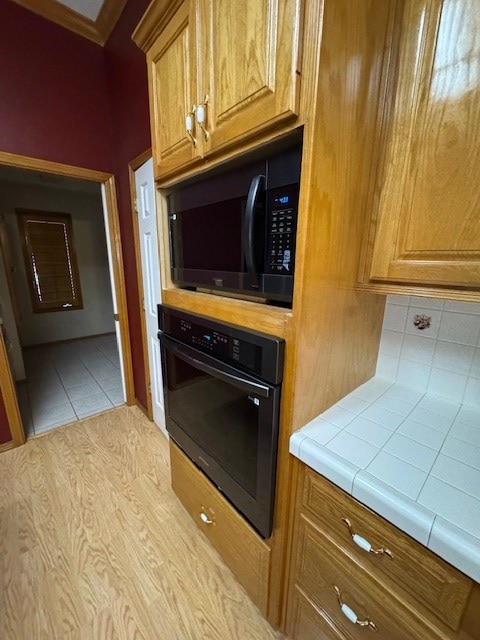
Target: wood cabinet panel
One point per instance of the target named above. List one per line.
(247, 555)
(428, 229)
(275, 321)
(250, 64)
(424, 577)
(237, 63)
(172, 81)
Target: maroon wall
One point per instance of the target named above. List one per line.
(65, 99)
(53, 103)
(128, 93)
(5, 435)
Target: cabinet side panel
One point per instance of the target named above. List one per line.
(339, 328)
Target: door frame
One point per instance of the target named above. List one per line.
(107, 180)
(9, 394)
(135, 164)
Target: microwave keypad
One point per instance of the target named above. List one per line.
(281, 240)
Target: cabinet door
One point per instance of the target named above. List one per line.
(429, 219)
(172, 69)
(249, 55)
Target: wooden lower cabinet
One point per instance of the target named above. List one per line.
(406, 566)
(242, 549)
(329, 577)
(338, 591)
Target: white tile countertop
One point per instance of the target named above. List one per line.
(411, 456)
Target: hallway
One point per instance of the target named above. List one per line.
(69, 381)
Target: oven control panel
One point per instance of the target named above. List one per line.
(254, 352)
(217, 343)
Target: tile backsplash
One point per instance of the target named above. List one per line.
(442, 358)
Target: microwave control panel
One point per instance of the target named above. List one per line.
(282, 208)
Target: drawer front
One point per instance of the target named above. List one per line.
(306, 622)
(425, 578)
(343, 592)
(246, 554)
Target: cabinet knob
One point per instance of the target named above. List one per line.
(350, 614)
(364, 544)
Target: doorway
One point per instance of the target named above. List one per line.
(79, 358)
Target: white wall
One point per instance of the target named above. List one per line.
(89, 234)
(443, 359)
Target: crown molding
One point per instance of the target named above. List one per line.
(153, 22)
(97, 31)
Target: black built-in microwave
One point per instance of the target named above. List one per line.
(235, 231)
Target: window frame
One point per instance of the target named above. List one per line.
(75, 302)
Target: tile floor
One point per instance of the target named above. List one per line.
(69, 381)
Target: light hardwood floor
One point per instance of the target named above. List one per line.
(95, 545)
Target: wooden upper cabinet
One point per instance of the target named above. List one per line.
(428, 227)
(249, 59)
(234, 63)
(172, 85)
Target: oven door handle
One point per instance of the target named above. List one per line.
(218, 370)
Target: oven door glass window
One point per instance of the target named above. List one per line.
(222, 419)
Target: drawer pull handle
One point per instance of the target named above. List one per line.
(351, 615)
(364, 544)
(204, 518)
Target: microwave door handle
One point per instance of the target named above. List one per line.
(199, 361)
(248, 239)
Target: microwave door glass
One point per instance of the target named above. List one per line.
(211, 236)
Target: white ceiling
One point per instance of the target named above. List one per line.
(88, 8)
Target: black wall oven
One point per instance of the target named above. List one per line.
(222, 399)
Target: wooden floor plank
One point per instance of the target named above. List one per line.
(94, 545)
